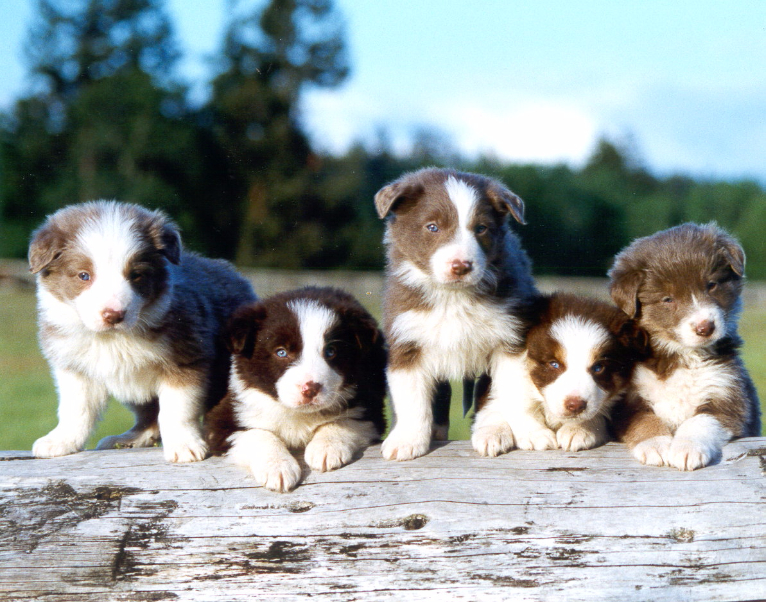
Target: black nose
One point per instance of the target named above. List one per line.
(112, 316)
(704, 328)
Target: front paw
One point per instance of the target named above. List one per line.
(687, 454)
(192, 449)
(491, 441)
(131, 439)
(54, 445)
(401, 445)
(538, 439)
(654, 451)
(574, 437)
(327, 455)
(280, 474)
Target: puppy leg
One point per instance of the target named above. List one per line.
(491, 434)
(522, 402)
(144, 433)
(441, 405)
(411, 392)
(334, 444)
(643, 432)
(574, 436)
(267, 458)
(697, 442)
(80, 404)
(179, 421)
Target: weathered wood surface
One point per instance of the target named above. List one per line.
(124, 525)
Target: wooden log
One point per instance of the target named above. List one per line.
(124, 525)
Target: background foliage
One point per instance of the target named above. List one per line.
(108, 117)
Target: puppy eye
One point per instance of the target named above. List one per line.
(330, 352)
(480, 229)
(711, 286)
(554, 364)
(281, 352)
(136, 276)
(432, 227)
(667, 299)
(597, 368)
(84, 276)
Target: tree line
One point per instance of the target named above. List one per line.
(107, 116)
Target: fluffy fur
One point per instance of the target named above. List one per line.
(308, 373)
(693, 394)
(580, 354)
(124, 311)
(455, 277)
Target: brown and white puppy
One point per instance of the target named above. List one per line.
(308, 373)
(693, 394)
(455, 276)
(580, 354)
(124, 311)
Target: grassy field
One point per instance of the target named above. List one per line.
(28, 397)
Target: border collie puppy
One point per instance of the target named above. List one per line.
(580, 354)
(124, 311)
(455, 278)
(693, 394)
(308, 372)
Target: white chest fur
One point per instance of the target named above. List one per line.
(676, 398)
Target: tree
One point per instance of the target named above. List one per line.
(270, 57)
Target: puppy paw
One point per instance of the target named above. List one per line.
(280, 474)
(539, 440)
(574, 437)
(492, 440)
(131, 439)
(440, 432)
(688, 454)
(53, 445)
(327, 455)
(654, 451)
(193, 449)
(401, 445)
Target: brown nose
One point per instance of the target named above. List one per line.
(461, 268)
(574, 405)
(704, 328)
(112, 316)
(310, 390)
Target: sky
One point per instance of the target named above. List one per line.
(682, 82)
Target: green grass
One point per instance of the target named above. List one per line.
(28, 397)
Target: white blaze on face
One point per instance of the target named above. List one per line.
(311, 384)
(580, 341)
(110, 244)
(703, 317)
(463, 247)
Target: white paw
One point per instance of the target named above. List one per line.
(574, 437)
(279, 474)
(540, 439)
(493, 440)
(53, 445)
(194, 449)
(687, 454)
(654, 451)
(327, 455)
(401, 445)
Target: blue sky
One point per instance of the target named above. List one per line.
(539, 81)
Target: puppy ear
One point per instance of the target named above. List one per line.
(47, 244)
(735, 255)
(243, 328)
(505, 201)
(632, 336)
(165, 237)
(624, 285)
(389, 196)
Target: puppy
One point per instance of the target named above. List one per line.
(693, 394)
(124, 311)
(455, 276)
(580, 354)
(308, 372)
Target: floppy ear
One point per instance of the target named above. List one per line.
(624, 285)
(243, 328)
(632, 336)
(391, 195)
(47, 244)
(165, 237)
(505, 201)
(735, 255)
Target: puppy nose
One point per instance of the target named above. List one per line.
(461, 268)
(704, 328)
(112, 316)
(574, 405)
(310, 390)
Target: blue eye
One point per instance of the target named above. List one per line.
(481, 229)
(330, 352)
(554, 364)
(84, 276)
(597, 368)
(432, 227)
(281, 352)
